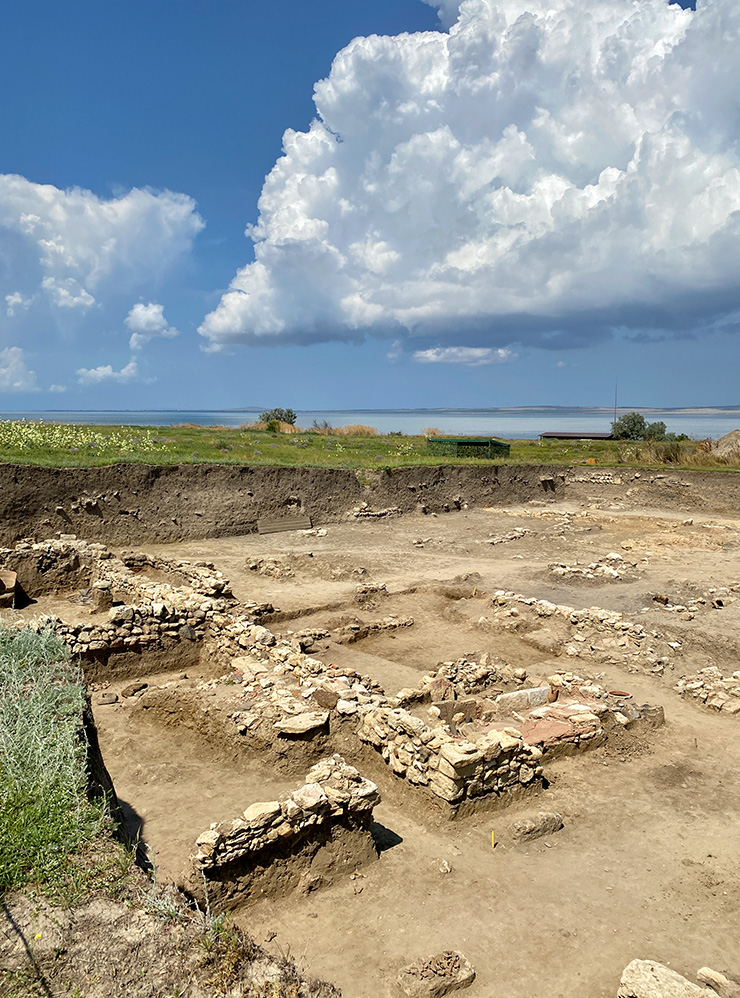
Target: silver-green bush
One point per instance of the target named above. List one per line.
(44, 811)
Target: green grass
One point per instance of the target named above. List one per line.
(71, 446)
(45, 816)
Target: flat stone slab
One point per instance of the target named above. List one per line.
(523, 699)
(133, 688)
(301, 724)
(435, 976)
(546, 733)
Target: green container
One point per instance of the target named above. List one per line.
(483, 447)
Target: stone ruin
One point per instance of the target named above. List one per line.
(711, 688)
(591, 634)
(302, 840)
(470, 734)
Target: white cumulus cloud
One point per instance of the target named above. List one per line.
(147, 322)
(71, 243)
(94, 375)
(470, 356)
(544, 172)
(14, 375)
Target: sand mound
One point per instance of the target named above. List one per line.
(728, 445)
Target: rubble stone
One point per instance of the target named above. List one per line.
(436, 976)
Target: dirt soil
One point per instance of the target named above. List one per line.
(133, 503)
(646, 865)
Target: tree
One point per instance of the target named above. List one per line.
(631, 426)
(655, 431)
(279, 416)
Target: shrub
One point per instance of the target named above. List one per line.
(664, 453)
(633, 426)
(44, 812)
(655, 431)
(278, 416)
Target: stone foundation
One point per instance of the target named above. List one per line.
(486, 729)
(308, 837)
(711, 688)
(454, 770)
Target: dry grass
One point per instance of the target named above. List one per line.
(325, 429)
(699, 454)
(356, 430)
(277, 427)
(431, 431)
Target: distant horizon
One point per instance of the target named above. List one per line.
(447, 409)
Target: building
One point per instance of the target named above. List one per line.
(576, 436)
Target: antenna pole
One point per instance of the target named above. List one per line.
(616, 383)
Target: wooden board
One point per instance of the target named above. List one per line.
(274, 524)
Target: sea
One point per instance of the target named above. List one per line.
(509, 423)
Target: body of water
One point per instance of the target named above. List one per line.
(507, 423)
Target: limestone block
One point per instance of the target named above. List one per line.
(446, 768)
(261, 813)
(311, 797)
(445, 788)
(461, 755)
(523, 699)
(301, 724)
(647, 979)
(535, 825)
(720, 984)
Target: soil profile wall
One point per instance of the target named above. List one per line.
(133, 503)
(137, 503)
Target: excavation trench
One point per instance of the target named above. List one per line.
(224, 665)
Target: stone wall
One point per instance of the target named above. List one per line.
(713, 689)
(592, 633)
(454, 770)
(165, 608)
(310, 836)
(488, 725)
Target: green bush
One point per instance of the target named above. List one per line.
(278, 416)
(655, 431)
(633, 426)
(44, 812)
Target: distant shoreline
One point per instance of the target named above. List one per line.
(727, 410)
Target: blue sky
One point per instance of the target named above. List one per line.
(493, 202)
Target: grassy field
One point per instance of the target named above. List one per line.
(74, 446)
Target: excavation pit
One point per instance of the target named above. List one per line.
(645, 810)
